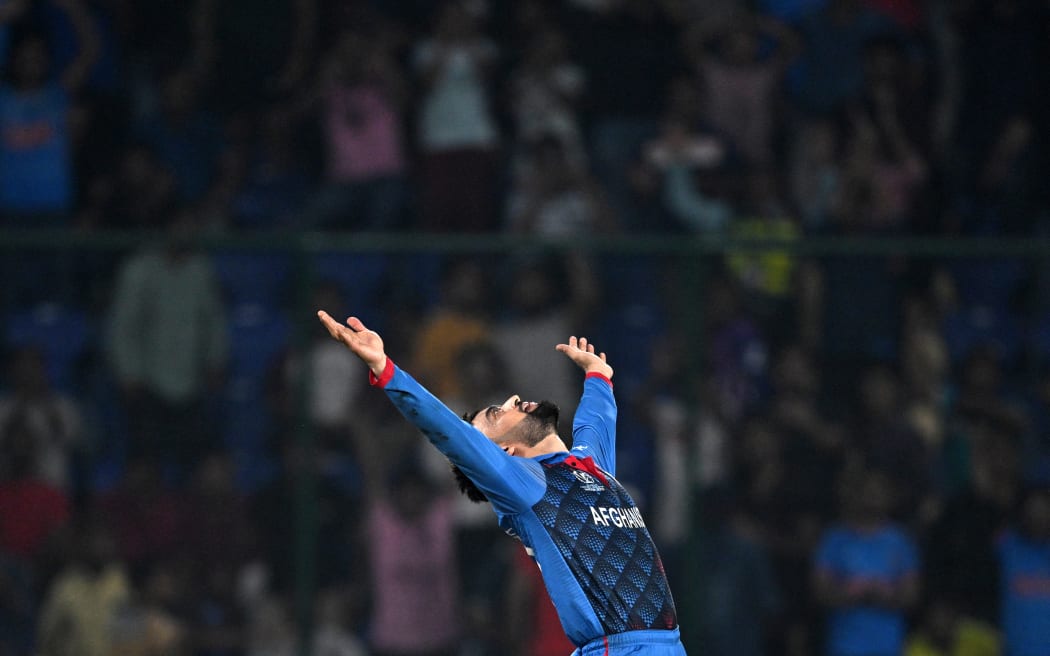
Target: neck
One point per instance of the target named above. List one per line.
(550, 444)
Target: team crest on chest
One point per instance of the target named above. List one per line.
(587, 482)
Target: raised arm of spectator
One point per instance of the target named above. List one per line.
(689, 205)
(76, 74)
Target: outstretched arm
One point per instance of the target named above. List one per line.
(594, 426)
(509, 482)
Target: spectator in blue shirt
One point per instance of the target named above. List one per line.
(866, 573)
(1024, 561)
(36, 177)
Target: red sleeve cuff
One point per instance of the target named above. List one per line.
(595, 374)
(381, 381)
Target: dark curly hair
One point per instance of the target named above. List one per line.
(467, 486)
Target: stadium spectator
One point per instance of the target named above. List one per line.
(686, 167)
(186, 137)
(37, 180)
(85, 600)
(362, 95)
(555, 198)
(144, 516)
(766, 277)
(33, 511)
(740, 598)
(925, 376)
(884, 163)
(263, 181)
(737, 352)
(962, 563)
(628, 51)
(741, 79)
(881, 438)
(816, 170)
(168, 344)
(334, 405)
(223, 536)
(1024, 562)
(661, 404)
(866, 573)
(457, 134)
(51, 419)
(414, 581)
(546, 90)
(944, 631)
(217, 621)
(149, 623)
(335, 635)
(458, 320)
(832, 63)
(772, 504)
(271, 630)
(273, 512)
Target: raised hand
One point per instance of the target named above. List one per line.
(581, 352)
(362, 342)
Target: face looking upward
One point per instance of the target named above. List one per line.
(517, 423)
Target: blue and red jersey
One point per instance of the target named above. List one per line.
(598, 561)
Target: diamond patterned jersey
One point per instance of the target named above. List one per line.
(599, 533)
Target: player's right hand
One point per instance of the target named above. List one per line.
(362, 342)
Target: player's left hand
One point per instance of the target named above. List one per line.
(582, 353)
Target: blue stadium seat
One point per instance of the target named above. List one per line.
(359, 275)
(982, 325)
(258, 337)
(988, 281)
(253, 277)
(63, 334)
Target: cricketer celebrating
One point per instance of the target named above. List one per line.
(598, 561)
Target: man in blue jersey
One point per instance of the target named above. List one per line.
(574, 518)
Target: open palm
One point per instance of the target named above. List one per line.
(582, 353)
(362, 342)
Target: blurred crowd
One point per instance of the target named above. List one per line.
(845, 454)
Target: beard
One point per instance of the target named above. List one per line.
(540, 423)
(547, 413)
